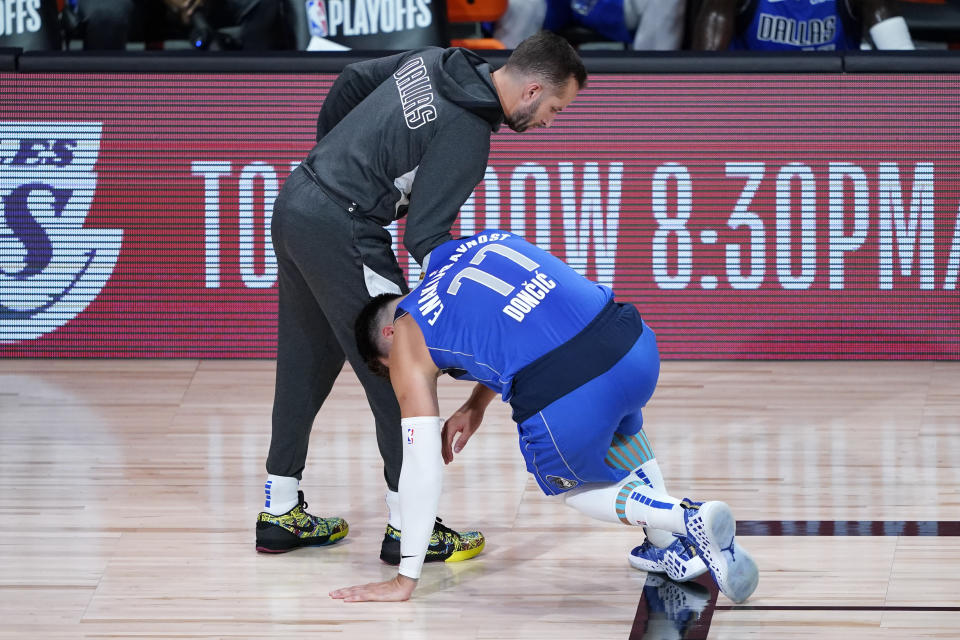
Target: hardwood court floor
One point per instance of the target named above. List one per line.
(130, 490)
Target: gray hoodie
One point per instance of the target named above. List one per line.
(408, 134)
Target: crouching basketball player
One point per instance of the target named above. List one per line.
(576, 367)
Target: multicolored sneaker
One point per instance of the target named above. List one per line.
(446, 545)
(679, 561)
(711, 528)
(297, 528)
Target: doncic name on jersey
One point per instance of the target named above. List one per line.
(332, 18)
(51, 267)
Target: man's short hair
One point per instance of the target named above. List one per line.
(550, 57)
(367, 331)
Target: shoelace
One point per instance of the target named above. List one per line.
(447, 532)
(303, 509)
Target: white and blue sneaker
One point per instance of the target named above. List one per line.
(679, 561)
(711, 528)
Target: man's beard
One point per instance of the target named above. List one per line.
(520, 121)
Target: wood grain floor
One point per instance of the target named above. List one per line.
(130, 490)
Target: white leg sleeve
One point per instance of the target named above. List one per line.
(393, 509)
(597, 500)
(650, 471)
(420, 486)
(635, 500)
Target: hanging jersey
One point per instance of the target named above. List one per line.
(797, 25)
(492, 303)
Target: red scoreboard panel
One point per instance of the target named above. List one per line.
(758, 216)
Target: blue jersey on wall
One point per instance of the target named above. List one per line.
(798, 25)
(492, 303)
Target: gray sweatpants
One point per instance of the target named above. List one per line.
(321, 252)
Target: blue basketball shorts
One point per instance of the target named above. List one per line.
(565, 444)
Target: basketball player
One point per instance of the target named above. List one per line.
(404, 135)
(799, 25)
(576, 367)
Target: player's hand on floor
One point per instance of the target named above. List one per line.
(463, 422)
(395, 590)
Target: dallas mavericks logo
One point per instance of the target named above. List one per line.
(51, 268)
(562, 483)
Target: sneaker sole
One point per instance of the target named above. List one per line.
(456, 556)
(466, 554)
(731, 566)
(644, 565)
(673, 564)
(278, 540)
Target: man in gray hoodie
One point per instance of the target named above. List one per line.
(406, 135)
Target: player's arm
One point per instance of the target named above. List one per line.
(413, 373)
(886, 27)
(715, 25)
(414, 378)
(465, 421)
(448, 172)
(355, 82)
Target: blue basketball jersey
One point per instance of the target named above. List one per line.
(492, 303)
(798, 25)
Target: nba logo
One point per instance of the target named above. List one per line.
(410, 436)
(317, 18)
